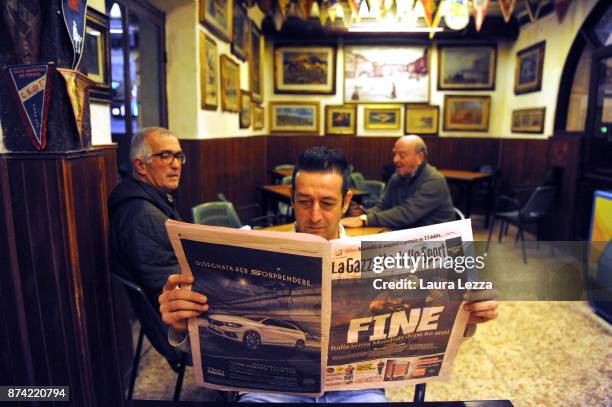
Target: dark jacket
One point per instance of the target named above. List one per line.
(408, 202)
(139, 246)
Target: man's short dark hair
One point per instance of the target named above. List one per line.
(324, 160)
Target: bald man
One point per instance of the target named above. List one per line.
(416, 195)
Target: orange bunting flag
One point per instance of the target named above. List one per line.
(561, 7)
(432, 12)
(480, 11)
(306, 8)
(507, 7)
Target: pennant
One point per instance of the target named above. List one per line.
(306, 8)
(480, 11)
(507, 7)
(74, 17)
(561, 7)
(77, 86)
(22, 20)
(432, 12)
(457, 15)
(282, 6)
(533, 9)
(31, 85)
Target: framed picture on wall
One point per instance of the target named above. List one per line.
(466, 113)
(209, 72)
(382, 117)
(255, 74)
(245, 109)
(241, 31)
(96, 57)
(294, 117)
(528, 68)
(386, 74)
(341, 119)
(258, 117)
(216, 15)
(528, 120)
(421, 119)
(466, 68)
(305, 69)
(230, 85)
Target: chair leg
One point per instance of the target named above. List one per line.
(501, 228)
(520, 232)
(135, 364)
(491, 227)
(419, 393)
(179, 380)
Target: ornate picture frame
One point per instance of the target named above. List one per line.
(209, 72)
(341, 119)
(466, 113)
(294, 117)
(216, 15)
(258, 117)
(467, 68)
(244, 118)
(230, 85)
(255, 70)
(95, 63)
(382, 117)
(528, 120)
(421, 119)
(305, 69)
(528, 68)
(241, 31)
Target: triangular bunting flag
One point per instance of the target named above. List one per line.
(480, 11)
(306, 8)
(74, 16)
(561, 7)
(31, 85)
(282, 6)
(432, 12)
(77, 86)
(507, 7)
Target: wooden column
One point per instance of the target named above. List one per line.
(56, 319)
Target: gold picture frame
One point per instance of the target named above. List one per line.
(217, 16)
(464, 68)
(209, 72)
(305, 69)
(341, 119)
(528, 68)
(244, 118)
(382, 117)
(230, 85)
(466, 113)
(255, 70)
(95, 63)
(294, 117)
(258, 117)
(528, 120)
(421, 119)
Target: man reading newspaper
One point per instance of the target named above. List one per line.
(320, 197)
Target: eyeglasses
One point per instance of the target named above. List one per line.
(168, 157)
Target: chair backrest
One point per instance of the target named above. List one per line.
(375, 191)
(216, 214)
(283, 167)
(150, 320)
(286, 180)
(357, 179)
(538, 203)
(458, 214)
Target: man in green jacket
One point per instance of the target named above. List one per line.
(416, 195)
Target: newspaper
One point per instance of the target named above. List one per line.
(294, 313)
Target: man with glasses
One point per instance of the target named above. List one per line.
(139, 207)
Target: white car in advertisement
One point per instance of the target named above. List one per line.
(254, 331)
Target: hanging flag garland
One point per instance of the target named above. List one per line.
(480, 11)
(507, 7)
(561, 7)
(432, 12)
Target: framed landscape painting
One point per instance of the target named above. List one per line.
(381, 117)
(340, 119)
(300, 69)
(466, 68)
(258, 117)
(209, 72)
(466, 113)
(95, 63)
(528, 69)
(255, 74)
(230, 85)
(386, 74)
(528, 120)
(294, 117)
(216, 15)
(245, 110)
(241, 31)
(421, 119)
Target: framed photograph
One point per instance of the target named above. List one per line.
(528, 68)
(294, 117)
(96, 57)
(341, 119)
(305, 69)
(209, 72)
(379, 117)
(230, 85)
(386, 74)
(255, 77)
(258, 117)
(245, 110)
(421, 119)
(466, 68)
(216, 15)
(528, 120)
(241, 31)
(466, 113)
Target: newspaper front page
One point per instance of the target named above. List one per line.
(286, 315)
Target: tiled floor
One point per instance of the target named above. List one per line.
(537, 353)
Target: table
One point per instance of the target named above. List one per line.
(364, 231)
(278, 175)
(466, 179)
